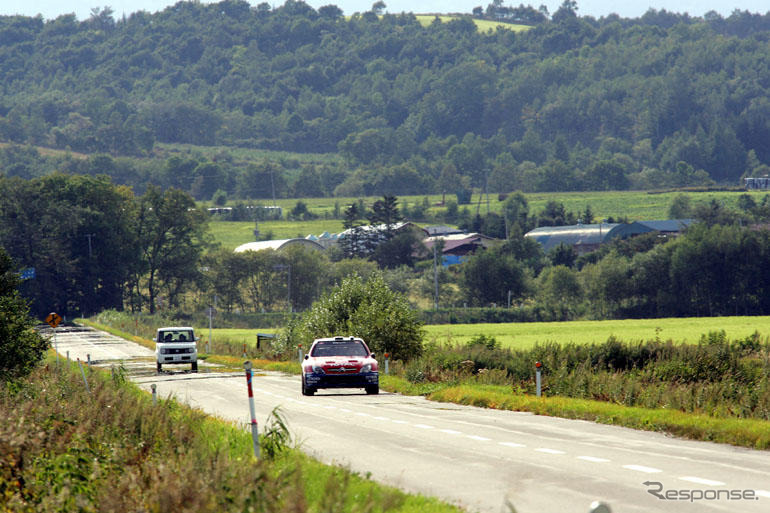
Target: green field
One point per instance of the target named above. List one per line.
(231, 234)
(483, 25)
(635, 205)
(524, 335)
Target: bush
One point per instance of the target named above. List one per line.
(21, 348)
(366, 309)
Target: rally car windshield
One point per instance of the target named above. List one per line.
(335, 348)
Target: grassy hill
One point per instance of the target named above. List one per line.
(483, 25)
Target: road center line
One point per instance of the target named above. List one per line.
(399, 422)
(700, 480)
(550, 451)
(641, 468)
(423, 426)
(479, 438)
(451, 431)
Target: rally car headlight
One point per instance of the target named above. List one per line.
(318, 369)
(367, 368)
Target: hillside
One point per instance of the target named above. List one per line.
(401, 107)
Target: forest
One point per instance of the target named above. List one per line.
(571, 103)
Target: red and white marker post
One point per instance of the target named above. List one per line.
(254, 428)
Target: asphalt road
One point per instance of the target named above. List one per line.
(476, 458)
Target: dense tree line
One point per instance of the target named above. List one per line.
(574, 103)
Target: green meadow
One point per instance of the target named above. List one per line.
(482, 25)
(525, 335)
(633, 205)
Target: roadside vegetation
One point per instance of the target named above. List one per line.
(63, 449)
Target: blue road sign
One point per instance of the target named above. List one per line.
(28, 273)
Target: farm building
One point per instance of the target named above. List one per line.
(457, 246)
(585, 238)
(277, 245)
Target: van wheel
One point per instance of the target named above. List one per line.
(373, 390)
(195, 366)
(160, 368)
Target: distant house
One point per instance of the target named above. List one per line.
(584, 238)
(278, 245)
(458, 246)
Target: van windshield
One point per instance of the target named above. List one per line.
(175, 336)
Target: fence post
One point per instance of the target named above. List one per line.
(88, 389)
(254, 427)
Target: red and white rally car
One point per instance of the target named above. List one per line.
(340, 362)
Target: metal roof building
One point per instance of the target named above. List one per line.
(277, 245)
(585, 238)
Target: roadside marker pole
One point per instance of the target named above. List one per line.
(254, 428)
(154, 394)
(244, 349)
(538, 388)
(299, 350)
(387, 363)
(56, 348)
(88, 389)
(89, 360)
(68, 358)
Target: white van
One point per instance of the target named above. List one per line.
(176, 345)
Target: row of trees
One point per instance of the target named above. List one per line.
(573, 103)
(94, 245)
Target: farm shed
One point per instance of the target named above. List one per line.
(277, 245)
(585, 238)
(458, 246)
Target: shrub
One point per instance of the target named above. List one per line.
(21, 348)
(367, 309)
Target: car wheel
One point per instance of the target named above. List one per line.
(160, 368)
(307, 390)
(373, 390)
(195, 366)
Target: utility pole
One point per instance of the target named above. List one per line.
(90, 248)
(435, 277)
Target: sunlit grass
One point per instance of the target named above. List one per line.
(524, 335)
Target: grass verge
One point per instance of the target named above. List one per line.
(63, 448)
(740, 432)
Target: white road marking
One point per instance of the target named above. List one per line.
(593, 459)
(423, 426)
(346, 410)
(330, 407)
(700, 480)
(361, 414)
(380, 418)
(451, 431)
(512, 444)
(550, 451)
(641, 468)
(479, 438)
(762, 493)
(399, 422)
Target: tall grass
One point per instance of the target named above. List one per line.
(63, 449)
(716, 376)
